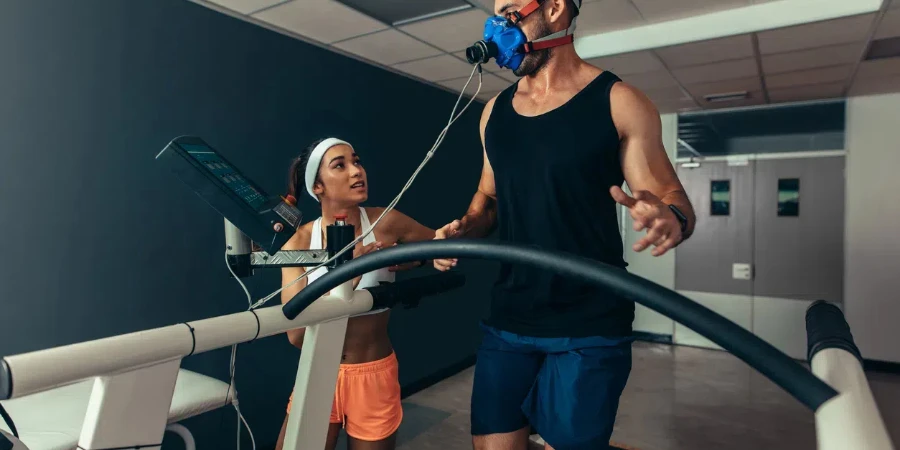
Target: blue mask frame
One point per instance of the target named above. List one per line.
(510, 41)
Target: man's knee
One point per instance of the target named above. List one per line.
(517, 440)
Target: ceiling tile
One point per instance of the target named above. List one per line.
(629, 63)
(491, 66)
(491, 83)
(665, 95)
(485, 96)
(819, 34)
(507, 75)
(247, 6)
(664, 10)
(442, 67)
(606, 15)
(751, 84)
(393, 11)
(880, 68)
(743, 68)
(806, 77)
(890, 25)
(650, 81)
(322, 20)
(811, 92)
(452, 32)
(705, 52)
(676, 106)
(388, 47)
(809, 59)
(488, 5)
(875, 86)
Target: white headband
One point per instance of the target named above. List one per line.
(315, 158)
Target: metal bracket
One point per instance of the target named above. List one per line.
(288, 258)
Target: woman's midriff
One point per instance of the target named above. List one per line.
(367, 339)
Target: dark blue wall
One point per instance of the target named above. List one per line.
(99, 240)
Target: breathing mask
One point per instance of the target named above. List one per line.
(506, 42)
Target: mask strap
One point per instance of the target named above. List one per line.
(549, 42)
(519, 15)
(563, 37)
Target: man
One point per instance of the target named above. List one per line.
(557, 147)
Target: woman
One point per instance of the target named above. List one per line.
(367, 396)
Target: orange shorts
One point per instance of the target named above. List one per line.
(367, 399)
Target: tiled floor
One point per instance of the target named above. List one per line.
(678, 398)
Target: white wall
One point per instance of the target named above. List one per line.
(872, 227)
(660, 270)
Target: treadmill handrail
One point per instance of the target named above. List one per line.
(759, 354)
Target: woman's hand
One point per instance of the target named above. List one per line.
(407, 266)
(361, 250)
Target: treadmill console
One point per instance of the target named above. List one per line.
(268, 221)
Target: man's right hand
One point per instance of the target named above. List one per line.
(449, 231)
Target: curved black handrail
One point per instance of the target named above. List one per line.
(760, 355)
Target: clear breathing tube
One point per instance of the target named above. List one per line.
(438, 142)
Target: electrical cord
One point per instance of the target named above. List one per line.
(233, 366)
(428, 156)
(242, 419)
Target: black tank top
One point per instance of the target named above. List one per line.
(553, 173)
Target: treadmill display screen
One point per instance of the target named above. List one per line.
(227, 174)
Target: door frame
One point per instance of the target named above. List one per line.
(689, 338)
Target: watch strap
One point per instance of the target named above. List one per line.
(681, 217)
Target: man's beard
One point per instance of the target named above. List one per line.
(532, 62)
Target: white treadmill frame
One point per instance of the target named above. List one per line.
(134, 374)
(851, 420)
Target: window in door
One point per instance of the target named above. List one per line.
(720, 198)
(789, 197)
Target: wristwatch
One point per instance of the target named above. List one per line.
(681, 217)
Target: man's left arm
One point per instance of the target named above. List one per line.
(649, 173)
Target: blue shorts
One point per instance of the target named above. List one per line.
(566, 388)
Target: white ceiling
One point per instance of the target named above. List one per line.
(810, 61)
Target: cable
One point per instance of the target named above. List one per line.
(391, 206)
(232, 365)
(243, 286)
(428, 156)
(242, 419)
